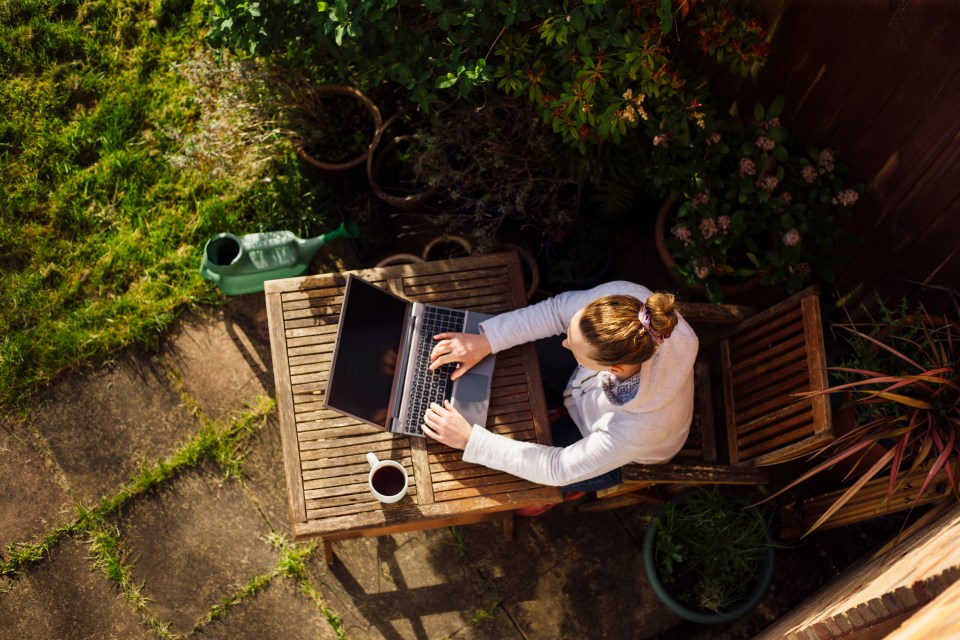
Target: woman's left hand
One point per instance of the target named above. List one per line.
(445, 424)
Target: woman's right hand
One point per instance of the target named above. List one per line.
(466, 348)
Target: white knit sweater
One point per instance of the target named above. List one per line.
(649, 428)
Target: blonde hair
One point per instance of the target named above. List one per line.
(611, 326)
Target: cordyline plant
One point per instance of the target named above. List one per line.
(908, 401)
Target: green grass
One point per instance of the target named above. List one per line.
(123, 147)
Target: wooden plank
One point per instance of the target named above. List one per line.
(421, 470)
(712, 313)
(288, 430)
(853, 58)
(790, 451)
(895, 65)
(693, 474)
(704, 396)
(906, 198)
(386, 519)
(484, 489)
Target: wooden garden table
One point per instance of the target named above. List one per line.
(324, 451)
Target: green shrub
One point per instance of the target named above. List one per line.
(595, 70)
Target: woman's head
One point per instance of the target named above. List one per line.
(612, 333)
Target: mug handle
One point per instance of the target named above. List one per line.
(372, 459)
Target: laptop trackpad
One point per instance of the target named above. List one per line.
(471, 397)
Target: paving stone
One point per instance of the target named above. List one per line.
(32, 500)
(264, 476)
(413, 585)
(193, 543)
(497, 627)
(279, 612)
(101, 425)
(66, 597)
(570, 574)
(223, 355)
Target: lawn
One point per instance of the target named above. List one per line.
(124, 144)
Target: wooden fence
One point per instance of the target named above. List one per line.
(879, 80)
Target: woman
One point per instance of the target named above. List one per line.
(629, 398)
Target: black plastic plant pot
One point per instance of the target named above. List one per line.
(662, 591)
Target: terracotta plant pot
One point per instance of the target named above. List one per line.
(447, 246)
(311, 156)
(375, 161)
(400, 258)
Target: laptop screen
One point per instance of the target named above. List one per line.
(370, 334)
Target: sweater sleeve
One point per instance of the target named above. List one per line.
(597, 453)
(547, 318)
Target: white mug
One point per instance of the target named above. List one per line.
(387, 480)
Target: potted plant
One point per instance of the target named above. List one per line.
(708, 558)
(746, 203)
(496, 170)
(395, 154)
(332, 125)
(901, 375)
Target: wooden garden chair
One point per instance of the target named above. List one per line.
(757, 364)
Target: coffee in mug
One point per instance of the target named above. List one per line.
(387, 479)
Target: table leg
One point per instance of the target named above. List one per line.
(508, 526)
(328, 552)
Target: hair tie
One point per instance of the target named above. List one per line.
(645, 321)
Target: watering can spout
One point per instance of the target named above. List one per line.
(347, 229)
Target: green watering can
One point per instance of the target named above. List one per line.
(242, 265)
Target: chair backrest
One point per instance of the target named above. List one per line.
(764, 361)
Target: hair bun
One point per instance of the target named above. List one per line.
(663, 312)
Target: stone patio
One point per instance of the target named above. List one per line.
(197, 541)
(205, 553)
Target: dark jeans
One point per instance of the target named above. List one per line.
(556, 367)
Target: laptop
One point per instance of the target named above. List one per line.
(380, 370)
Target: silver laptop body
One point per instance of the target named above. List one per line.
(361, 353)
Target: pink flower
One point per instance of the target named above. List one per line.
(825, 162)
(786, 197)
(701, 270)
(767, 183)
(683, 234)
(809, 174)
(802, 269)
(713, 139)
(766, 144)
(699, 199)
(662, 140)
(791, 238)
(708, 227)
(724, 223)
(747, 167)
(766, 125)
(847, 197)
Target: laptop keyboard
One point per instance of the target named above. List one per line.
(431, 386)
